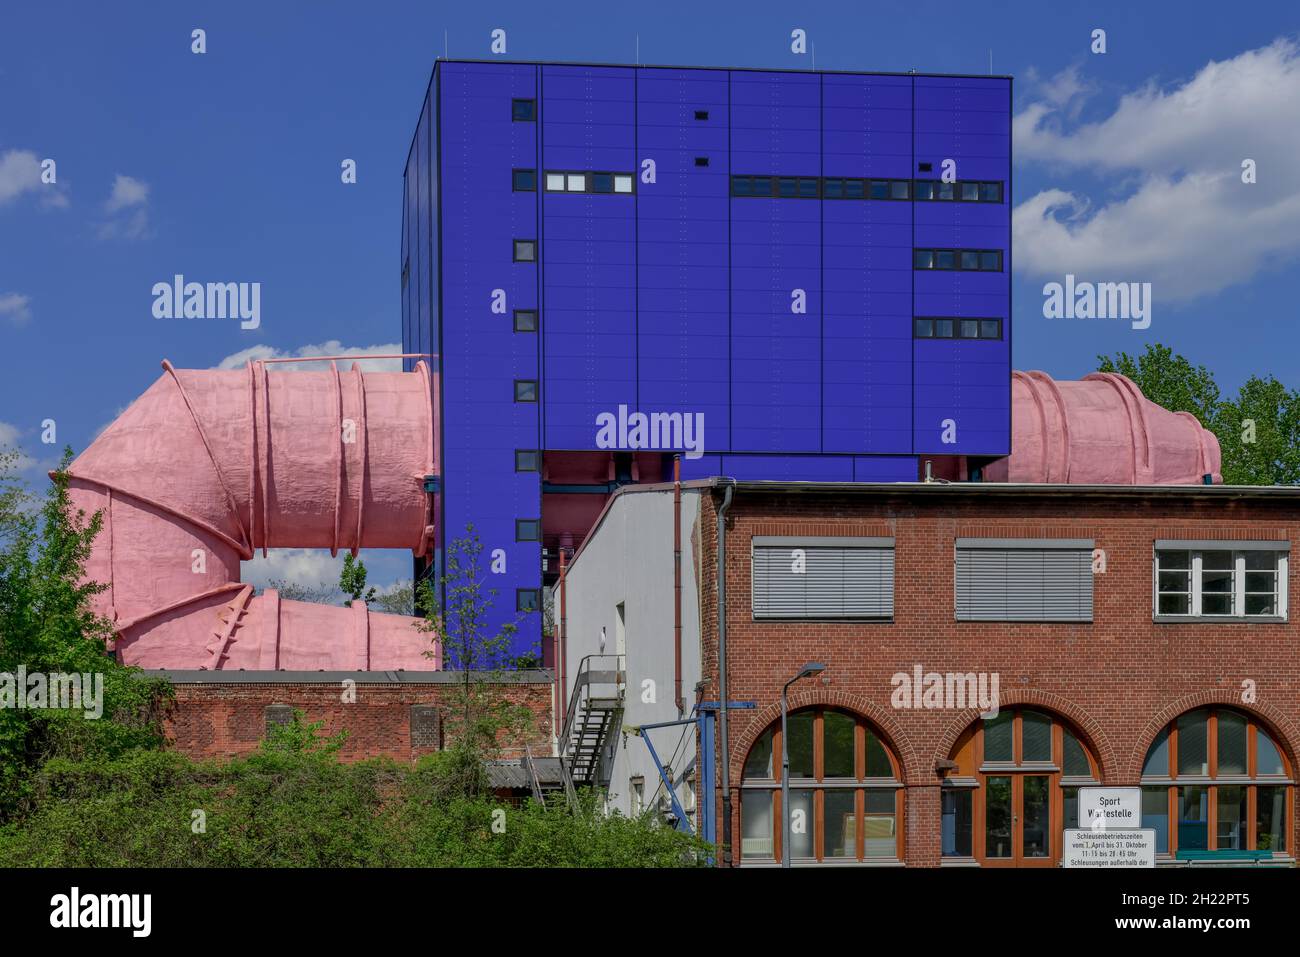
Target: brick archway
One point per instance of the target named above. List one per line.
(882, 718)
(1275, 721)
(1081, 721)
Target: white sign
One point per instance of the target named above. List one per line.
(1105, 809)
(1109, 848)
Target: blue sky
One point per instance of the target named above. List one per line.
(226, 166)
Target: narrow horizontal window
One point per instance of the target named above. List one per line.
(971, 260)
(525, 390)
(701, 114)
(701, 161)
(1221, 581)
(523, 111)
(525, 320)
(525, 180)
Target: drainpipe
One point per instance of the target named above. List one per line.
(677, 585)
(562, 661)
(729, 485)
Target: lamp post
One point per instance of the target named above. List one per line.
(812, 668)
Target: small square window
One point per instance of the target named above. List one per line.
(991, 260)
(855, 189)
(602, 182)
(898, 189)
(924, 328)
(970, 328)
(528, 460)
(701, 114)
(786, 187)
(943, 190)
(924, 189)
(970, 192)
(576, 182)
(622, 183)
(525, 390)
(528, 599)
(525, 181)
(833, 189)
(923, 259)
(525, 320)
(943, 328)
(990, 192)
(525, 250)
(945, 259)
(970, 259)
(555, 182)
(924, 167)
(523, 111)
(880, 189)
(528, 530)
(701, 161)
(990, 328)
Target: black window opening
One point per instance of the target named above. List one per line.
(962, 191)
(525, 320)
(701, 114)
(971, 260)
(524, 180)
(528, 460)
(825, 187)
(956, 327)
(528, 530)
(525, 390)
(523, 111)
(528, 599)
(525, 251)
(701, 161)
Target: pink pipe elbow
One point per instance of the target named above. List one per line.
(209, 465)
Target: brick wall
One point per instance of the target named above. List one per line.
(1118, 680)
(216, 719)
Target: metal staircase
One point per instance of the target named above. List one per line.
(594, 716)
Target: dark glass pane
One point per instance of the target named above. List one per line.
(1193, 748)
(1232, 743)
(990, 329)
(1270, 816)
(956, 821)
(943, 328)
(924, 189)
(759, 762)
(997, 817)
(841, 824)
(602, 182)
(991, 261)
(854, 189)
(1157, 762)
(898, 189)
(945, 259)
(880, 189)
(1261, 561)
(878, 765)
(1175, 605)
(833, 189)
(800, 745)
(1231, 814)
(970, 192)
(740, 186)
(837, 745)
(786, 186)
(1076, 759)
(1174, 559)
(1155, 815)
(525, 180)
(879, 824)
(525, 391)
(923, 259)
(1037, 830)
(924, 328)
(1174, 581)
(997, 738)
(525, 320)
(756, 825)
(1216, 604)
(970, 328)
(970, 259)
(1267, 758)
(944, 190)
(523, 110)
(991, 192)
(1193, 818)
(1036, 737)
(1069, 807)
(808, 188)
(801, 825)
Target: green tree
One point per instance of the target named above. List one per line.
(352, 581)
(398, 600)
(1259, 432)
(1168, 379)
(48, 625)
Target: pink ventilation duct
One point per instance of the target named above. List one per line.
(1101, 430)
(209, 465)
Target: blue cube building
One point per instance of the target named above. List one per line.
(812, 266)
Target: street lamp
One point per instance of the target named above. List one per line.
(808, 670)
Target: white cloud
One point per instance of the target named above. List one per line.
(128, 209)
(330, 348)
(20, 172)
(302, 566)
(1188, 224)
(15, 307)
(8, 434)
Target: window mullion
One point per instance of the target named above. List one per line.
(1239, 583)
(1196, 583)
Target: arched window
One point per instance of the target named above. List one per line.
(1012, 789)
(1216, 785)
(846, 792)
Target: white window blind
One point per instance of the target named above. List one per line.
(821, 578)
(1023, 579)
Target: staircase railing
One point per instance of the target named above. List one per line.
(593, 670)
